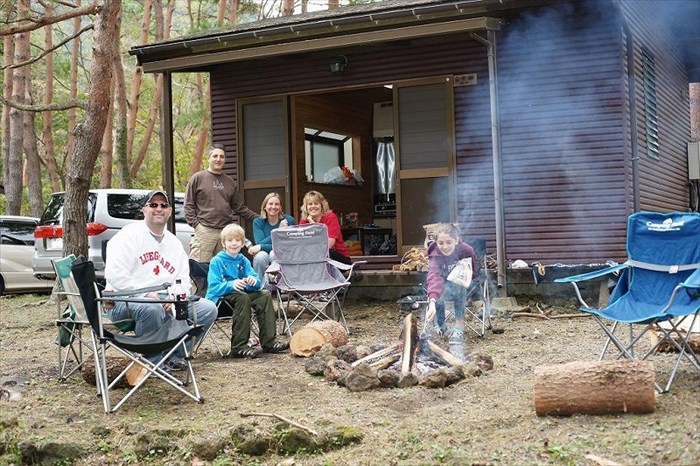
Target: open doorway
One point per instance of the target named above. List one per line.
(334, 150)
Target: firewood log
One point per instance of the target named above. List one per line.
(409, 338)
(595, 387)
(445, 355)
(376, 355)
(309, 339)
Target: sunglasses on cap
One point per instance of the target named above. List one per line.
(155, 205)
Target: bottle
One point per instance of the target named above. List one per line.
(181, 303)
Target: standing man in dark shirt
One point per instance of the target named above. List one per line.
(212, 201)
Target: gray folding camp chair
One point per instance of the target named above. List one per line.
(303, 272)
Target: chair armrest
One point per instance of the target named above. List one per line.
(693, 281)
(591, 275)
(135, 291)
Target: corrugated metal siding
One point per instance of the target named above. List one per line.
(562, 134)
(662, 182)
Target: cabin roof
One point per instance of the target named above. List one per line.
(379, 21)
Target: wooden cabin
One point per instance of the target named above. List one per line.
(538, 125)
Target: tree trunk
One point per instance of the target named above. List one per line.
(107, 145)
(233, 12)
(33, 166)
(134, 98)
(47, 117)
(89, 134)
(75, 56)
(9, 52)
(13, 179)
(593, 387)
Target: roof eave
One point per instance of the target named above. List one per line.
(261, 49)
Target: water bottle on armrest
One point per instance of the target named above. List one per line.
(181, 304)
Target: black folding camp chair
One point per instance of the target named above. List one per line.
(477, 315)
(173, 334)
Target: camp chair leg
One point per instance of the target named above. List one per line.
(72, 352)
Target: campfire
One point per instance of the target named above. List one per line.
(412, 360)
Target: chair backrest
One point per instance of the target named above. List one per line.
(302, 253)
(84, 273)
(198, 276)
(664, 240)
(70, 289)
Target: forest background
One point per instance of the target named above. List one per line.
(76, 108)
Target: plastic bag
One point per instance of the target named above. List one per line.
(461, 273)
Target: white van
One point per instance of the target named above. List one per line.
(108, 210)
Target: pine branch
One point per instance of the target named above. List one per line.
(45, 108)
(46, 52)
(32, 24)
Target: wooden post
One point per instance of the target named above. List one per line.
(595, 387)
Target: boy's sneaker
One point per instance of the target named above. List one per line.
(174, 365)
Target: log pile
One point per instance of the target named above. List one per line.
(414, 259)
(656, 334)
(410, 361)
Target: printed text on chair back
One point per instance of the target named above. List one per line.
(659, 239)
(302, 252)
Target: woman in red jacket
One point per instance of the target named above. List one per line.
(315, 210)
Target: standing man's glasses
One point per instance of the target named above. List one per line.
(155, 205)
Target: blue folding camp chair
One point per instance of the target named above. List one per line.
(659, 283)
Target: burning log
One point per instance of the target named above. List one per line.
(595, 387)
(409, 337)
(376, 355)
(445, 355)
(310, 338)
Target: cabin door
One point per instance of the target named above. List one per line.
(263, 147)
(424, 123)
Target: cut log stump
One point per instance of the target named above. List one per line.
(309, 339)
(594, 387)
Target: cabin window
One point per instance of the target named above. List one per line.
(650, 114)
(325, 152)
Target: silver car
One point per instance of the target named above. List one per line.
(16, 250)
(108, 210)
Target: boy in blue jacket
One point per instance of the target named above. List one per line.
(231, 277)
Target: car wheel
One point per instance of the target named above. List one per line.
(2, 285)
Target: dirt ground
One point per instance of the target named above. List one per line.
(486, 420)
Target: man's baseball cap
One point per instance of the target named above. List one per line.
(148, 197)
